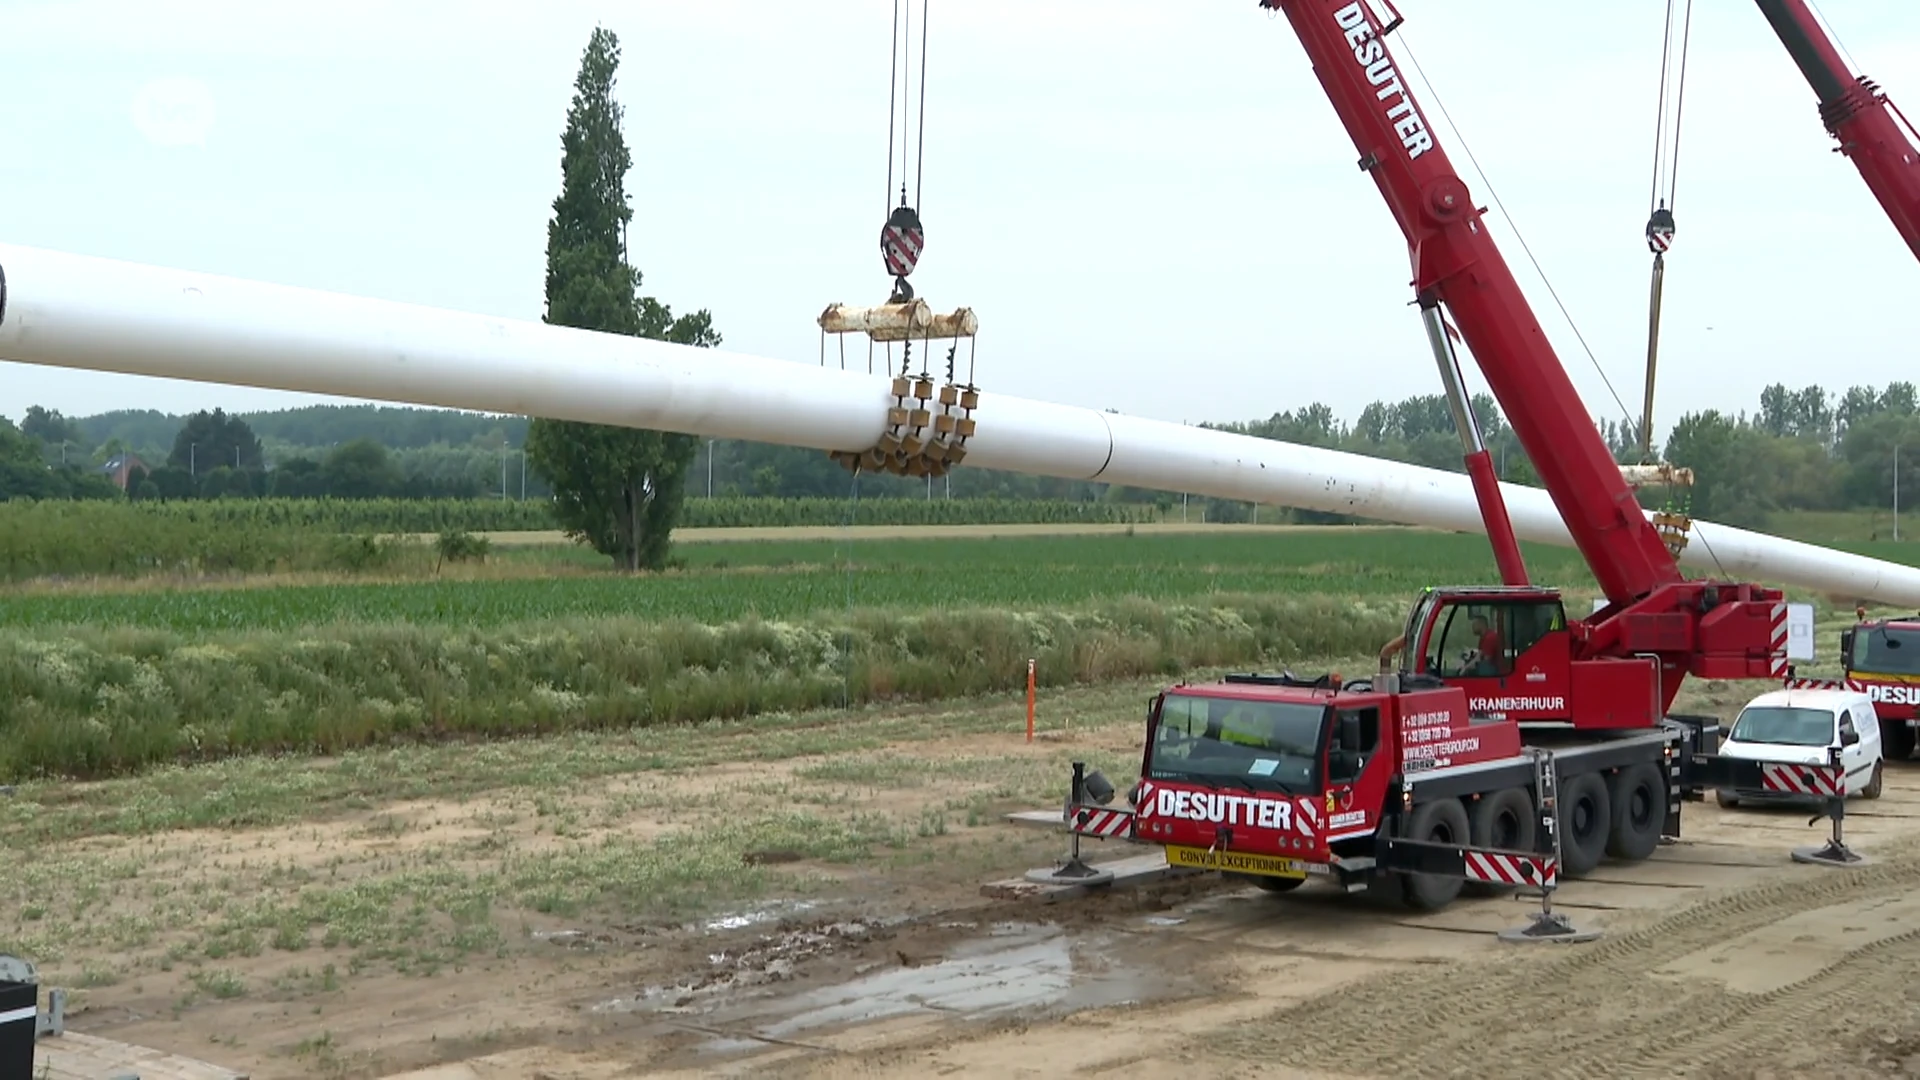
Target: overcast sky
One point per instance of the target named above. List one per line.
(1150, 203)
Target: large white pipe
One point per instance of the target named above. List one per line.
(74, 311)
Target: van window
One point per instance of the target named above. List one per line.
(1782, 725)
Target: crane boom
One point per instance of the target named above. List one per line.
(1455, 262)
(1623, 666)
(1871, 132)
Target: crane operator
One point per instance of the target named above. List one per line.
(1487, 655)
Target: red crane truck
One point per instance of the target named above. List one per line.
(1880, 657)
(1511, 743)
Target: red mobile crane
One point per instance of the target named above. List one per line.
(1438, 772)
(1880, 657)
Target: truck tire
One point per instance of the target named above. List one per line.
(1277, 884)
(1442, 821)
(1505, 820)
(1639, 797)
(1586, 817)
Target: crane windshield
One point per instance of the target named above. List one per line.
(1259, 745)
(1886, 650)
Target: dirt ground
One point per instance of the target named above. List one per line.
(802, 897)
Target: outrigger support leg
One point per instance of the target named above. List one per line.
(1075, 870)
(1835, 851)
(1547, 924)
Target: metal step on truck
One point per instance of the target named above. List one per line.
(1395, 780)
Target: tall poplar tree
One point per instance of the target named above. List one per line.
(620, 489)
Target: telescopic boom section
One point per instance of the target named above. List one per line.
(1871, 132)
(1456, 262)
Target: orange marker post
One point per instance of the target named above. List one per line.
(1029, 701)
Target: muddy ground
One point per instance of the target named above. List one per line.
(801, 897)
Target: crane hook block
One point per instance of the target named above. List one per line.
(901, 241)
(1660, 231)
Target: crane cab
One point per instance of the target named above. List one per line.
(1511, 648)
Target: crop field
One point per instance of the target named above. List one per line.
(788, 580)
(104, 679)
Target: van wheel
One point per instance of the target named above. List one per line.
(1586, 817)
(1503, 820)
(1872, 790)
(1639, 798)
(1442, 821)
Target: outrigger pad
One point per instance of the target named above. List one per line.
(1830, 854)
(1552, 928)
(1073, 872)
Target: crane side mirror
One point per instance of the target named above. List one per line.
(1846, 644)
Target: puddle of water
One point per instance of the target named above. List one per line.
(1013, 967)
(740, 920)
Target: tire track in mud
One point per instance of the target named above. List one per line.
(1596, 1010)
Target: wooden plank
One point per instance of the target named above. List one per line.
(72, 1055)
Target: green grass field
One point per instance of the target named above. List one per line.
(789, 580)
(115, 677)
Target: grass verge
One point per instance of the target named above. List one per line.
(92, 703)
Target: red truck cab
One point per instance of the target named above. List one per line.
(1274, 775)
(1882, 658)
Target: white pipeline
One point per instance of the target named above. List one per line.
(73, 311)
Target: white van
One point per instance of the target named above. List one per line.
(1801, 726)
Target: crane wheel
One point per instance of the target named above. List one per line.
(1503, 820)
(1270, 884)
(1639, 797)
(1586, 817)
(1442, 821)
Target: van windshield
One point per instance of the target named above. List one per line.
(1889, 650)
(1783, 725)
(1263, 745)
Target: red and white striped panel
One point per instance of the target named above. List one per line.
(1306, 817)
(1820, 780)
(1778, 654)
(1091, 822)
(1501, 869)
